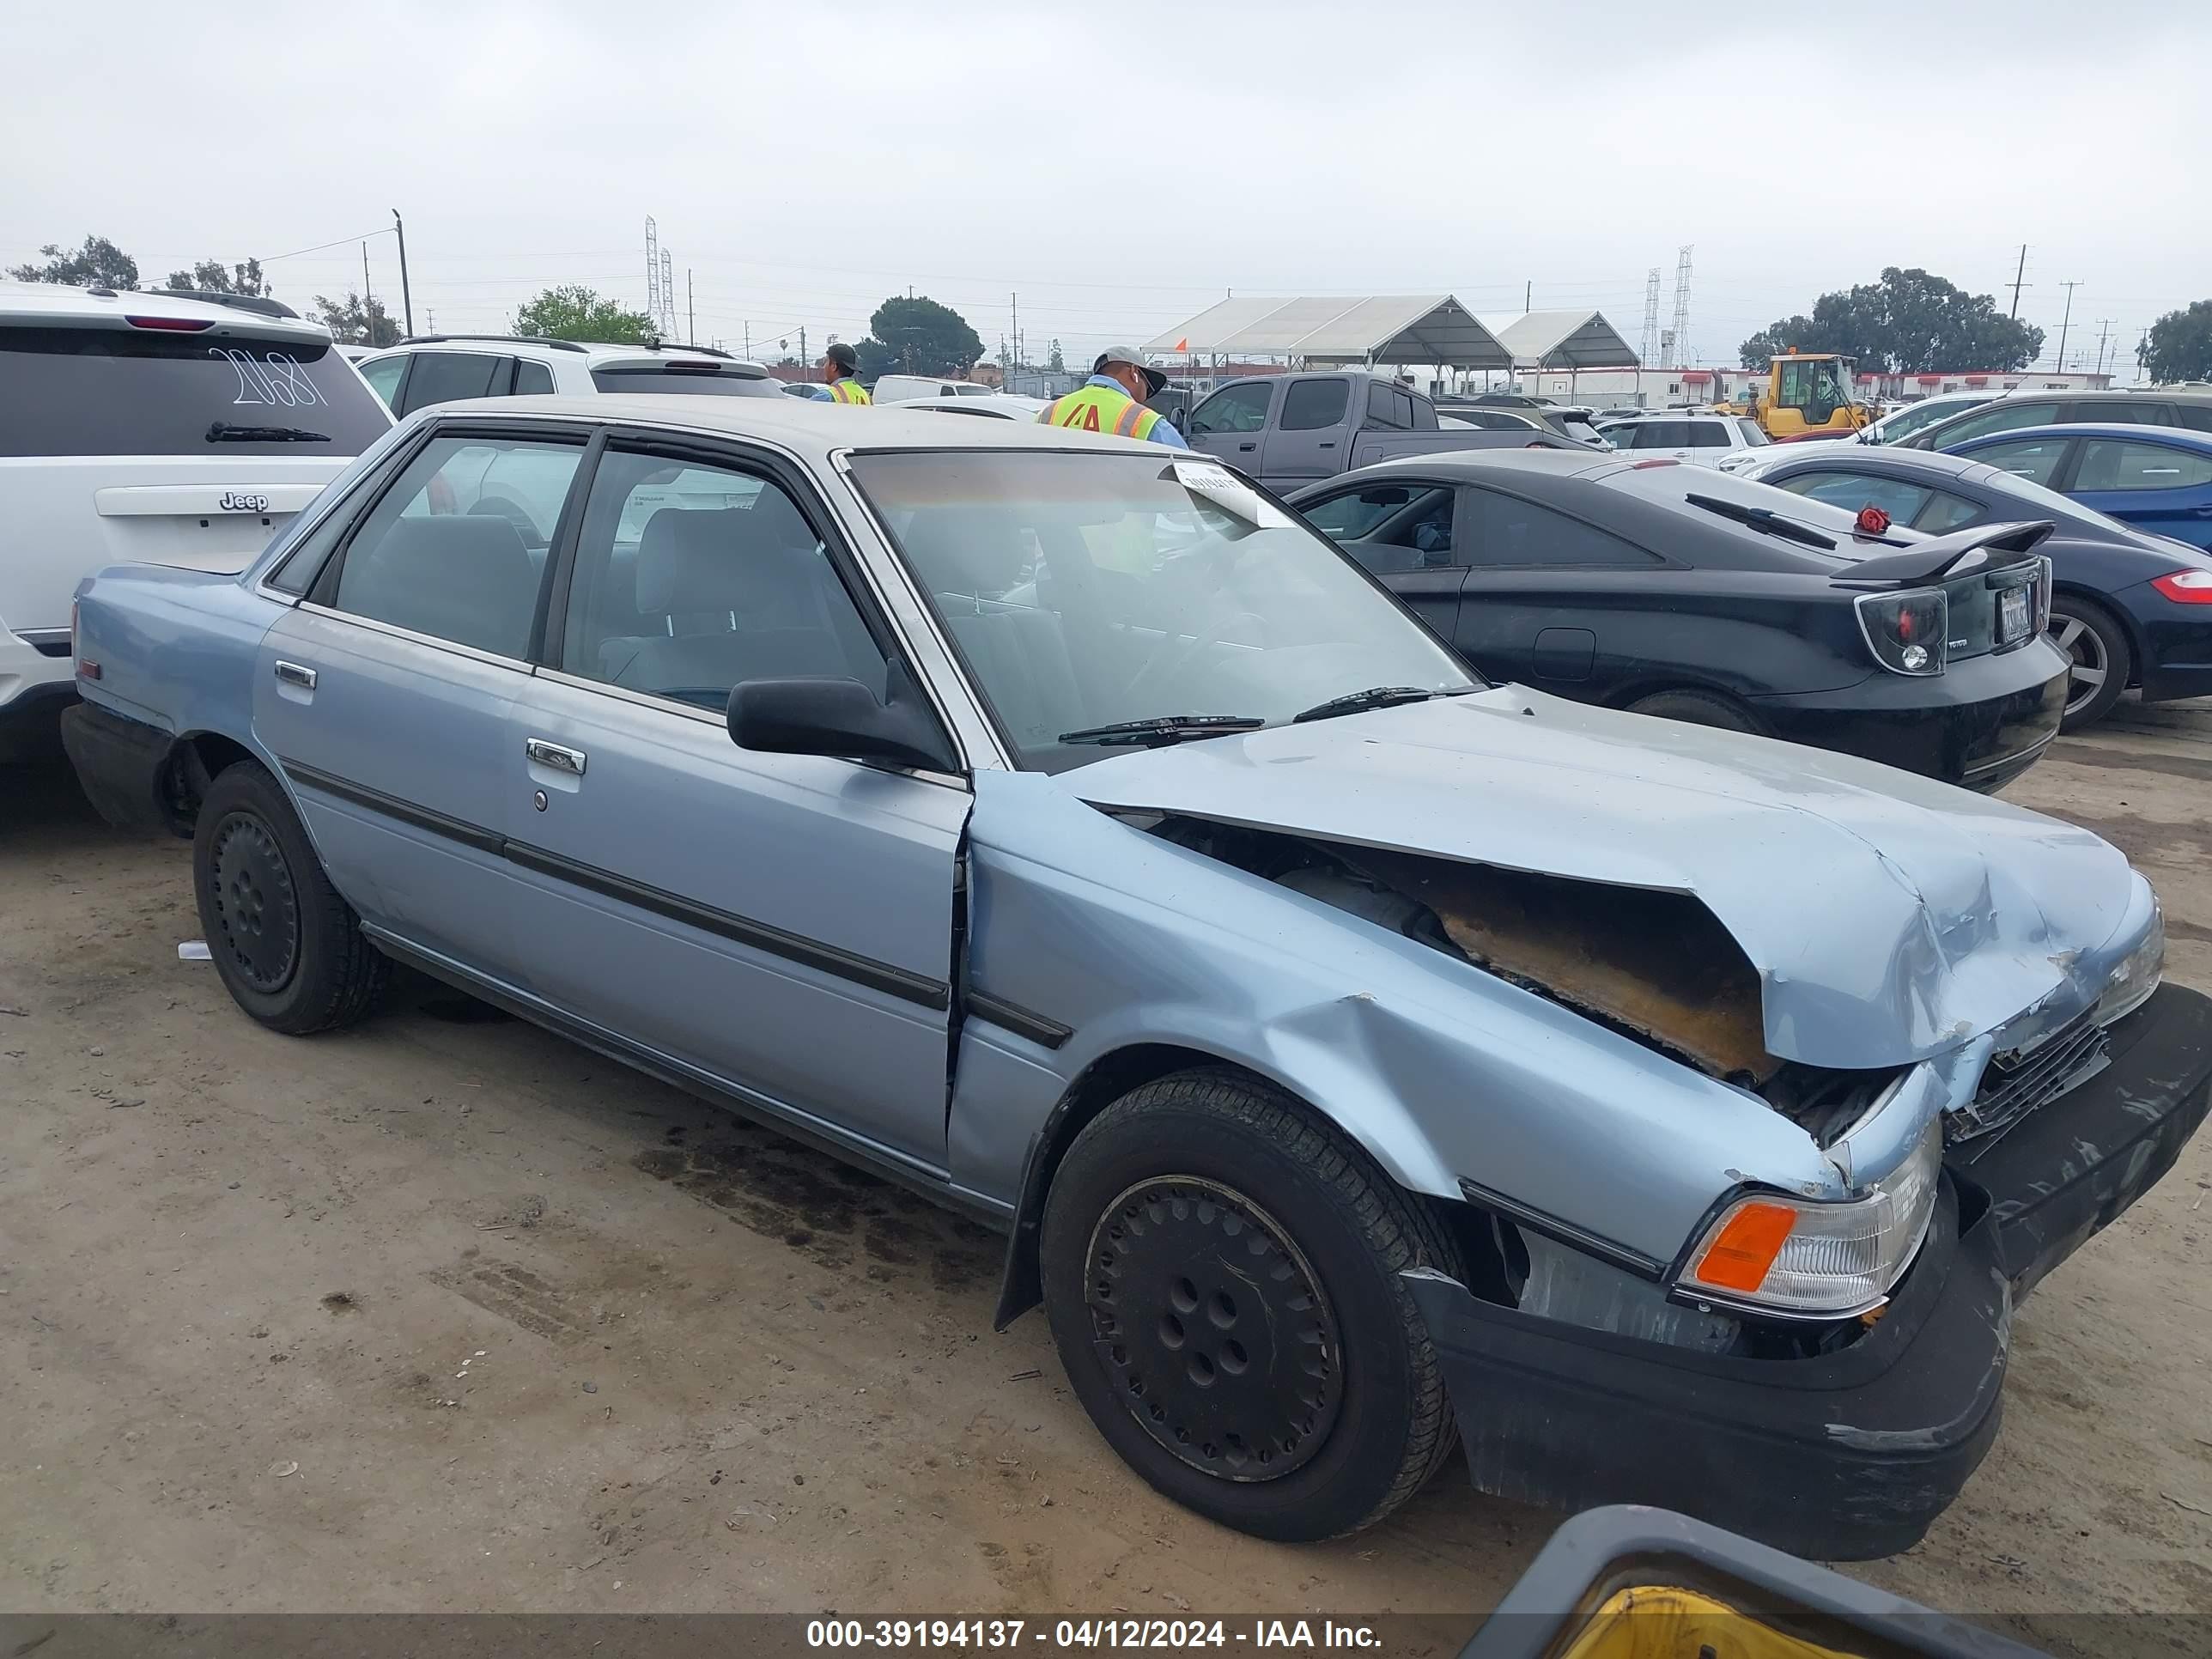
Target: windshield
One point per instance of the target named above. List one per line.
(1086, 590)
(115, 392)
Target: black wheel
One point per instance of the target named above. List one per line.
(1221, 1273)
(290, 950)
(2102, 659)
(1696, 708)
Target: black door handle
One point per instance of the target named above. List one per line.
(1251, 445)
(1331, 444)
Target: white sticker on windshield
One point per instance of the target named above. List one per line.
(1225, 489)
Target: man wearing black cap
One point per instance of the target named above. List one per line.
(839, 364)
(1113, 400)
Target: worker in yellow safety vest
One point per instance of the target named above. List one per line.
(839, 365)
(1113, 400)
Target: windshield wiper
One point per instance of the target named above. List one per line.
(223, 432)
(1375, 696)
(1167, 728)
(1764, 520)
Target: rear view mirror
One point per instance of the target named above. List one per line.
(839, 718)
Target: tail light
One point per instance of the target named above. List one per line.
(2185, 586)
(1906, 632)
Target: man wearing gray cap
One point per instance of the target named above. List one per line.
(1113, 400)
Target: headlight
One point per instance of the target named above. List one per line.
(1818, 1261)
(2137, 974)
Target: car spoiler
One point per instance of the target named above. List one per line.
(1944, 557)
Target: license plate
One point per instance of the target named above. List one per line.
(2012, 616)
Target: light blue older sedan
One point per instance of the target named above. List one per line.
(1362, 1061)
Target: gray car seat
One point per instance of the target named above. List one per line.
(969, 561)
(468, 579)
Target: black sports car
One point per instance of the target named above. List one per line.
(2129, 608)
(1682, 591)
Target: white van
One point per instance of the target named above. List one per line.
(147, 426)
(904, 388)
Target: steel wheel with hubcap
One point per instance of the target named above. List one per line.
(2099, 657)
(256, 908)
(1222, 1267)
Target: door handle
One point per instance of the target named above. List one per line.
(570, 761)
(1248, 445)
(1331, 444)
(293, 673)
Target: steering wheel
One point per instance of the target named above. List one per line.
(1166, 662)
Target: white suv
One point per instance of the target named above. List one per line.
(147, 426)
(441, 368)
(1696, 436)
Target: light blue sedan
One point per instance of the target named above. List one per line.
(1362, 1061)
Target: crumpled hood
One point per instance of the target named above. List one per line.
(1890, 917)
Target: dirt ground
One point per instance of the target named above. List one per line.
(447, 1314)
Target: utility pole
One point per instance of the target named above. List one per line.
(2017, 284)
(749, 341)
(1528, 293)
(368, 299)
(2104, 333)
(803, 358)
(406, 294)
(433, 316)
(1018, 330)
(2063, 321)
(691, 312)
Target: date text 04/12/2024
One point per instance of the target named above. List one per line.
(1107, 1633)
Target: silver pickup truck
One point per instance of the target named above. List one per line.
(1289, 430)
(1360, 1059)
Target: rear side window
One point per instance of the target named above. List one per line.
(2198, 418)
(1903, 501)
(383, 377)
(115, 392)
(1710, 435)
(2008, 416)
(652, 377)
(532, 379)
(1389, 408)
(1311, 405)
(2123, 412)
(445, 377)
(2111, 463)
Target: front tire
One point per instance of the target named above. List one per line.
(1221, 1271)
(1695, 708)
(289, 948)
(2100, 660)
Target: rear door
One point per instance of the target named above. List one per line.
(385, 693)
(1233, 421)
(185, 447)
(2161, 487)
(1307, 438)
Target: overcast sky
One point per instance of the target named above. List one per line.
(1122, 166)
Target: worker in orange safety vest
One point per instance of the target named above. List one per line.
(1113, 400)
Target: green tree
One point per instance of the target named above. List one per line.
(1056, 364)
(1909, 322)
(213, 276)
(2180, 345)
(918, 335)
(351, 323)
(99, 263)
(577, 312)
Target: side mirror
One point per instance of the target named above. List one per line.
(839, 718)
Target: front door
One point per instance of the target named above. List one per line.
(1549, 600)
(385, 694)
(1233, 422)
(1309, 437)
(1402, 535)
(2160, 488)
(781, 925)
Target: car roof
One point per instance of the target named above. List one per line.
(55, 305)
(1676, 415)
(1796, 458)
(1475, 464)
(593, 354)
(2177, 437)
(813, 429)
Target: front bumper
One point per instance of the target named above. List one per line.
(1853, 1453)
(1981, 723)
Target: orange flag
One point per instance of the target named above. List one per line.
(1183, 344)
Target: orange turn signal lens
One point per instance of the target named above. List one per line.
(1743, 1250)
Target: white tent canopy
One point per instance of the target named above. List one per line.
(1563, 339)
(1426, 328)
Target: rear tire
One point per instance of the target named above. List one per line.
(289, 948)
(2102, 658)
(1696, 709)
(1221, 1271)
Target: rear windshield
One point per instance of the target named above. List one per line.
(1677, 483)
(105, 392)
(658, 380)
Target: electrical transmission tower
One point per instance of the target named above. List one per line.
(1651, 352)
(1682, 308)
(652, 300)
(667, 329)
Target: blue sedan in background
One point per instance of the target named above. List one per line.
(2156, 478)
(2128, 606)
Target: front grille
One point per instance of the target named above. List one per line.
(2013, 1084)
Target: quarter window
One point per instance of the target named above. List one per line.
(690, 578)
(532, 379)
(1232, 408)
(444, 376)
(383, 377)
(456, 547)
(2113, 464)
(1507, 530)
(1946, 512)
